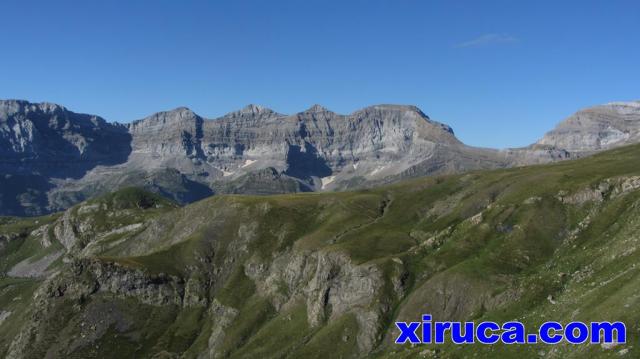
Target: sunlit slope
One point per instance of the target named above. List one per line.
(326, 275)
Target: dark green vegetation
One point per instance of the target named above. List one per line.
(326, 275)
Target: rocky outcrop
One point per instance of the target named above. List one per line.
(222, 316)
(330, 284)
(65, 230)
(610, 187)
(34, 268)
(89, 276)
(156, 290)
(6, 238)
(583, 196)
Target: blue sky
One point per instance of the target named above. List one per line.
(501, 73)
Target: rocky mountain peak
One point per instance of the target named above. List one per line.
(9, 107)
(317, 108)
(177, 116)
(394, 107)
(597, 128)
(252, 111)
(409, 116)
(181, 112)
(625, 108)
(384, 110)
(635, 103)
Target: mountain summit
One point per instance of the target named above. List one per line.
(597, 128)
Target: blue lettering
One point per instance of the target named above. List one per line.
(481, 332)
(570, 333)
(597, 328)
(457, 337)
(426, 329)
(548, 338)
(514, 333)
(408, 333)
(441, 329)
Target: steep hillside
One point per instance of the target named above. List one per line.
(326, 275)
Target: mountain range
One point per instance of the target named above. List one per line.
(52, 158)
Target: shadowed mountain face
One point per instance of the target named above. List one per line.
(48, 139)
(304, 163)
(42, 143)
(52, 158)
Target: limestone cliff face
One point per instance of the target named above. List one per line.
(597, 128)
(50, 140)
(167, 135)
(309, 146)
(52, 158)
(42, 142)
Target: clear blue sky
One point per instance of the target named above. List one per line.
(501, 73)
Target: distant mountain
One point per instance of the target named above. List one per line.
(52, 158)
(597, 128)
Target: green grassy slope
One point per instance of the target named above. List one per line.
(553, 242)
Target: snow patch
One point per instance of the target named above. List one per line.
(224, 172)
(378, 169)
(327, 180)
(248, 163)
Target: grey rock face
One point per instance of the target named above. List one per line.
(222, 317)
(153, 290)
(48, 139)
(40, 142)
(34, 269)
(52, 158)
(330, 284)
(597, 128)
